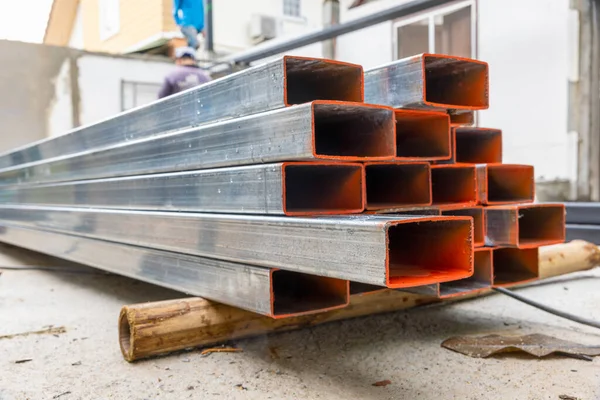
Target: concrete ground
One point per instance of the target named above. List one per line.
(335, 361)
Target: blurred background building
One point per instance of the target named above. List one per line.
(543, 57)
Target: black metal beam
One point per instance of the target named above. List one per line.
(583, 213)
(399, 11)
(590, 233)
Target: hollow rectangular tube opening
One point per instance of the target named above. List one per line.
(308, 79)
(453, 185)
(395, 185)
(510, 183)
(429, 250)
(478, 145)
(478, 222)
(296, 293)
(481, 279)
(316, 188)
(462, 119)
(454, 82)
(422, 135)
(345, 131)
(512, 266)
(364, 288)
(541, 225)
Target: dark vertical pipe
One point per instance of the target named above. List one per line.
(209, 26)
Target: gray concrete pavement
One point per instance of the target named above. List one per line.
(335, 361)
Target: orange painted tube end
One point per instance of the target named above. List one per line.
(393, 185)
(455, 82)
(307, 79)
(318, 188)
(514, 266)
(478, 145)
(454, 184)
(422, 135)
(505, 184)
(295, 293)
(482, 278)
(478, 221)
(427, 250)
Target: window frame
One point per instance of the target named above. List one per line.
(430, 16)
(283, 9)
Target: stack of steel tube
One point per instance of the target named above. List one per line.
(471, 180)
(286, 187)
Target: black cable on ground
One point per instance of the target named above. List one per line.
(550, 310)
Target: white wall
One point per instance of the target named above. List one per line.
(232, 28)
(76, 40)
(526, 45)
(100, 78)
(60, 112)
(371, 46)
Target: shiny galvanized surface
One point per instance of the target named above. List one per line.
(505, 184)
(525, 225)
(261, 88)
(399, 84)
(350, 247)
(403, 83)
(240, 285)
(280, 135)
(257, 189)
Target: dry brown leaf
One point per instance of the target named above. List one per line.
(536, 344)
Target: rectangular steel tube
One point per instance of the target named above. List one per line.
(270, 292)
(466, 118)
(392, 185)
(482, 278)
(505, 184)
(478, 221)
(525, 225)
(515, 266)
(453, 184)
(283, 82)
(429, 81)
(422, 135)
(387, 251)
(321, 130)
(478, 145)
(282, 188)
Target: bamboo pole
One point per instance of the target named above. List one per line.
(151, 329)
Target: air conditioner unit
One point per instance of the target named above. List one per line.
(263, 27)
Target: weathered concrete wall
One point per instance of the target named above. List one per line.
(47, 90)
(27, 77)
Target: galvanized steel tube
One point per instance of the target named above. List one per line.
(283, 82)
(281, 188)
(391, 251)
(270, 292)
(429, 81)
(321, 130)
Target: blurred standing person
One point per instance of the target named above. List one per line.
(189, 16)
(186, 74)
